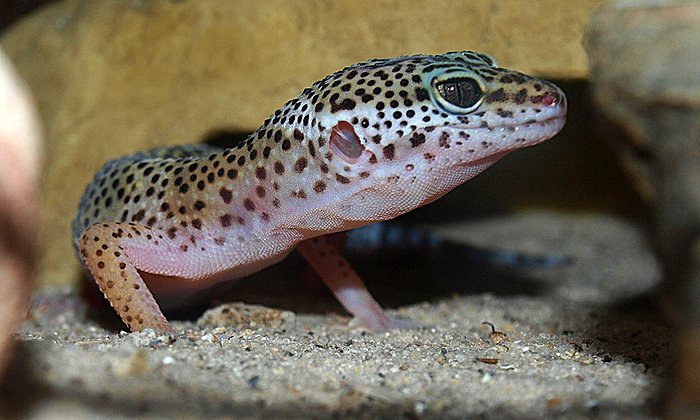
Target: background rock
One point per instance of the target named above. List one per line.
(112, 77)
(644, 60)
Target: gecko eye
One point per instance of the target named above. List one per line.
(459, 95)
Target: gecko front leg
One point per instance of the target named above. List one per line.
(323, 255)
(103, 251)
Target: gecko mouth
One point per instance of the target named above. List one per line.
(515, 137)
(549, 126)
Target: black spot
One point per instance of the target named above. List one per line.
(138, 216)
(226, 195)
(444, 140)
(422, 94)
(499, 95)
(417, 139)
(319, 187)
(300, 164)
(504, 114)
(171, 232)
(389, 152)
(346, 104)
(248, 204)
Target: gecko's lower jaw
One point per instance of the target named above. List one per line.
(543, 130)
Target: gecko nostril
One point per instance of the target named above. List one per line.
(551, 99)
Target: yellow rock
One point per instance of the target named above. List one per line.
(114, 77)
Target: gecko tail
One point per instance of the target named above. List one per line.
(398, 238)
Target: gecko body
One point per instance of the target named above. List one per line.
(365, 144)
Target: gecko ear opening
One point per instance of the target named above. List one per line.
(344, 142)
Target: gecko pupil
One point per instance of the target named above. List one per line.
(462, 92)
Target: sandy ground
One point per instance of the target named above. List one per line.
(576, 340)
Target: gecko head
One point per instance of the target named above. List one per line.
(405, 131)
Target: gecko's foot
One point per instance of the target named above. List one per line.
(383, 323)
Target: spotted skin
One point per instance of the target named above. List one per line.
(367, 143)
